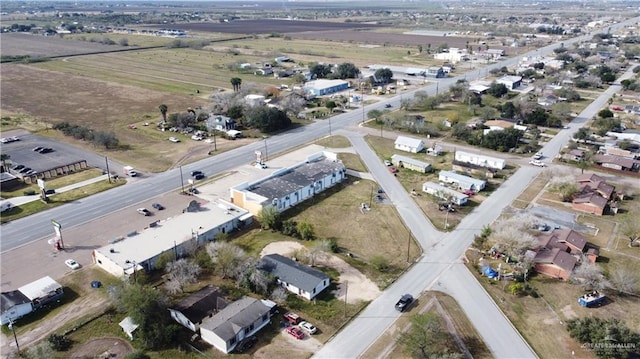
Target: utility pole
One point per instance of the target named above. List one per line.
(181, 180)
(329, 126)
(14, 334)
(408, 246)
(106, 160)
(371, 196)
(265, 148)
(346, 289)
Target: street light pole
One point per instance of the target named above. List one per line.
(15, 337)
(181, 180)
(329, 126)
(265, 148)
(408, 246)
(107, 162)
(346, 289)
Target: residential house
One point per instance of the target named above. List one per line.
(297, 278)
(510, 81)
(480, 160)
(574, 155)
(42, 291)
(445, 193)
(589, 202)
(617, 162)
(238, 320)
(462, 181)
(569, 241)
(497, 125)
(410, 163)
(265, 71)
(192, 310)
(591, 182)
(14, 305)
(547, 101)
(287, 187)
(554, 263)
(255, 100)
(409, 144)
(435, 71)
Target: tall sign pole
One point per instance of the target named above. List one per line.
(57, 227)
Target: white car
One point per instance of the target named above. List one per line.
(387, 163)
(72, 264)
(537, 163)
(537, 156)
(261, 165)
(196, 138)
(174, 140)
(307, 327)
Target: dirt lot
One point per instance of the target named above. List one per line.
(272, 26)
(115, 348)
(19, 44)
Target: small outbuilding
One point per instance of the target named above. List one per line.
(128, 326)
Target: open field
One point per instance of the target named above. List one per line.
(19, 44)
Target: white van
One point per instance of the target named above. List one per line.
(5, 206)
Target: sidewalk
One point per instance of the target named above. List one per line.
(18, 201)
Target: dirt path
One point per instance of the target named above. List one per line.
(356, 284)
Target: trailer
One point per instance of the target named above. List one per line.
(592, 299)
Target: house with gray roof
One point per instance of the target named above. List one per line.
(297, 278)
(409, 144)
(289, 186)
(410, 163)
(238, 320)
(445, 193)
(462, 181)
(192, 310)
(14, 305)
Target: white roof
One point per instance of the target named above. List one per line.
(254, 97)
(462, 178)
(170, 232)
(39, 288)
(510, 78)
(128, 325)
(409, 141)
(323, 83)
(444, 189)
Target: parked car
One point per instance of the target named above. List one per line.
(261, 165)
(72, 264)
(295, 332)
(17, 167)
(387, 163)
(194, 190)
(388, 105)
(307, 327)
(393, 169)
(404, 302)
(174, 139)
(246, 344)
(292, 318)
(537, 156)
(469, 192)
(158, 206)
(25, 170)
(196, 138)
(46, 150)
(537, 163)
(144, 211)
(37, 149)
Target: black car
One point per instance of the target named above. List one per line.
(25, 170)
(195, 173)
(199, 176)
(246, 344)
(158, 206)
(46, 150)
(404, 302)
(37, 149)
(387, 105)
(17, 167)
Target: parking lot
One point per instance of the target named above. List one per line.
(22, 152)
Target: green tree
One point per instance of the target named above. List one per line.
(4, 157)
(59, 343)
(236, 82)
(235, 112)
(347, 70)
(508, 110)
(331, 105)
(269, 218)
(583, 134)
(147, 307)
(374, 114)
(380, 263)
(420, 340)
(163, 110)
(497, 90)
(605, 113)
(267, 119)
(319, 71)
(138, 354)
(383, 75)
(603, 334)
(306, 231)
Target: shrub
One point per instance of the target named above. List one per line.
(380, 263)
(59, 342)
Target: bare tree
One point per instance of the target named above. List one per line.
(181, 272)
(40, 350)
(225, 257)
(318, 250)
(279, 295)
(513, 241)
(590, 276)
(631, 230)
(624, 281)
(294, 103)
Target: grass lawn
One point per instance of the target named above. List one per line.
(334, 142)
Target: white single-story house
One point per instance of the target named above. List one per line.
(410, 163)
(255, 100)
(297, 278)
(14, 305)
(199, 224)
(445, 193)
(510, 81)
(409, 144)
(238, 320)
(480, 160)
(289, 186)
(192, 310)
(463, 182)
(128, 326)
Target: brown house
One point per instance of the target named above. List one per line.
(554, 263)
(589, 203)
(570, 241)
(594, 183)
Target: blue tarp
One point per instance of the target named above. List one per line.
(489, 272)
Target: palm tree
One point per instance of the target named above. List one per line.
(163, 110)
(4, 158)
(236, 82)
